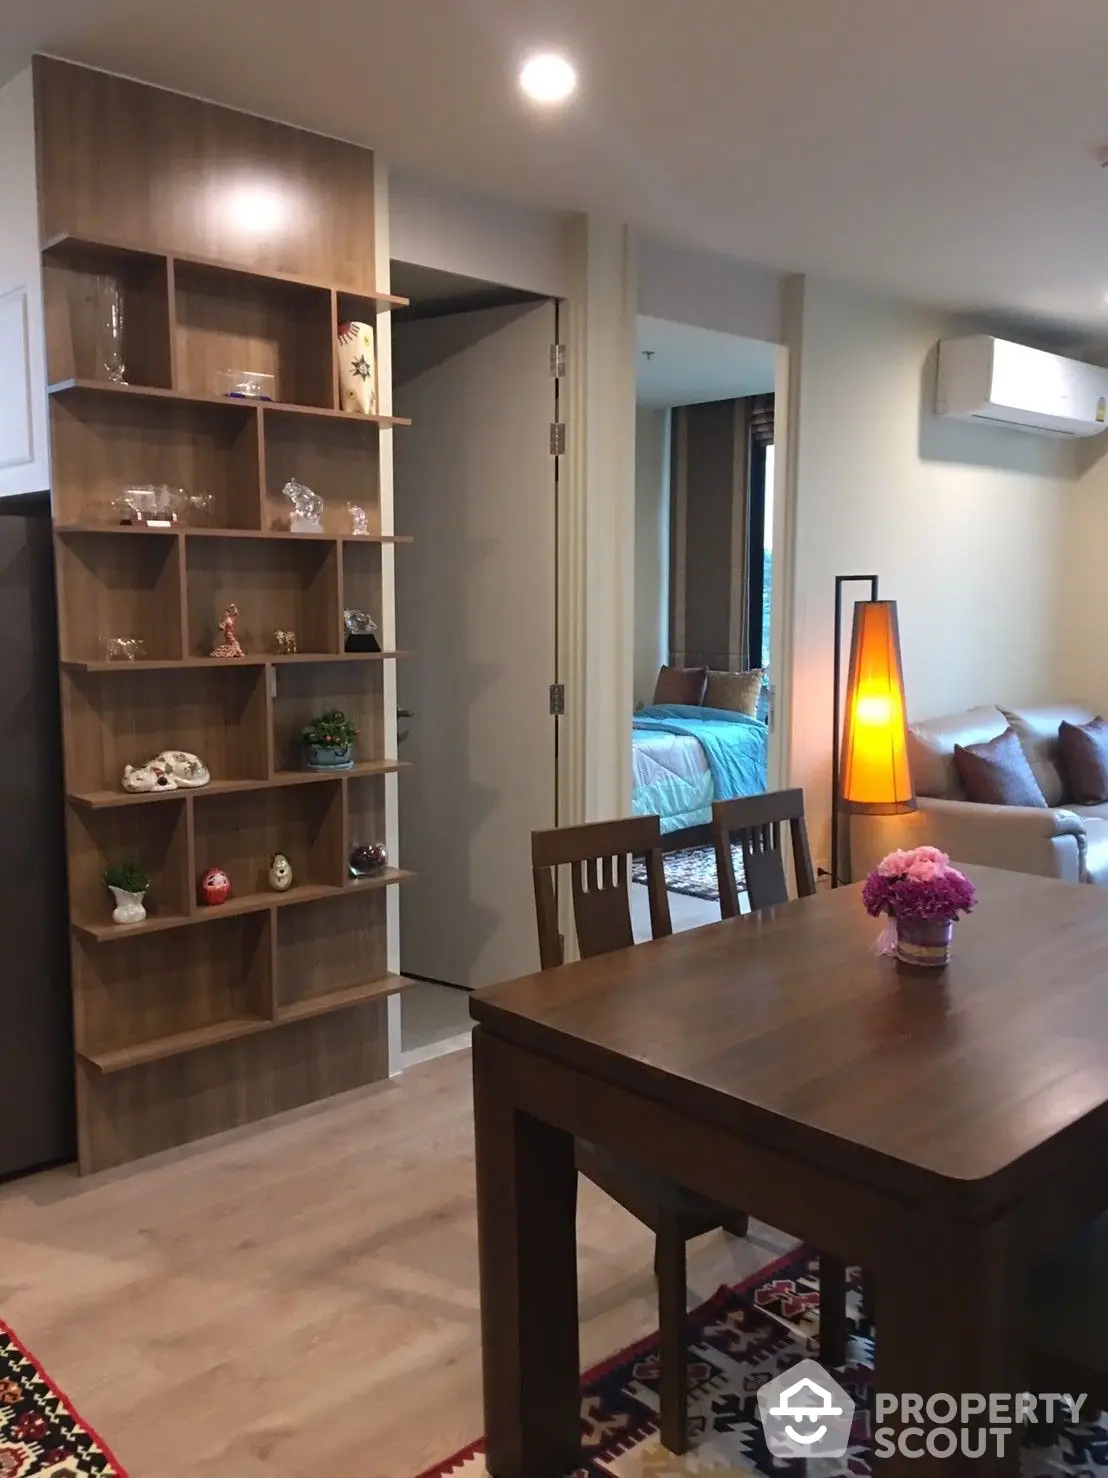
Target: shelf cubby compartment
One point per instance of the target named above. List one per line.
(337, 457)
(229, 320)
(71, 271)
(277, 584)
(365, 814)
(155, 996)
(305, 690)
(361, 578)
(240, 833)
(104, 443)
(125, 717)
(155, 838)
(332, 954)
(119, 587)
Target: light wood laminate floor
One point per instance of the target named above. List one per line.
(300, 1299)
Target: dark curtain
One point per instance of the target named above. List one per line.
(710, 525)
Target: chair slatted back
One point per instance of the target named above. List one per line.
(755, 822)
(597, 855)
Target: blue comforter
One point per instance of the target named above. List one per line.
(671, 782)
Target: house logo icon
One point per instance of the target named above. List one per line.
(805, 1413)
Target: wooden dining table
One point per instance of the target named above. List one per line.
(941, 1130)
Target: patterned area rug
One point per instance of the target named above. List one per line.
(692, 871)
(40, 1433)
(741, 1338)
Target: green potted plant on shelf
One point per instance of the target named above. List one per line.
(329, 741)
(128, 885)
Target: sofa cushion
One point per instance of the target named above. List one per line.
(931, 749)
(1037, 730)
(1098, 813)
(1096, 850)
(1083, 755)
(681, 685)
(997, 772)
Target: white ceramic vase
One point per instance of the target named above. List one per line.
(129, 907)
(357, 368)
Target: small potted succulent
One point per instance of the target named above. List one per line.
(922, 895)
(128, 885)
(329, 741)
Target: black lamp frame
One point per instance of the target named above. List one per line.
(836, 720)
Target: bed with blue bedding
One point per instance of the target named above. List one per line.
(684, 758)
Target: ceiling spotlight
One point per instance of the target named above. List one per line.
(547, 78)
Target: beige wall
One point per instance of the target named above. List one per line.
(652, 432)
(1081, 654)
(967, 527)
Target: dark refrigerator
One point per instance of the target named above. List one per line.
(36, 1033)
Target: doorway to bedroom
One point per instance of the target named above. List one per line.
(705, 475)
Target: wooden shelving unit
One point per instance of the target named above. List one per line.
(200, 1018)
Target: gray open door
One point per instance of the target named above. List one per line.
(475, 483)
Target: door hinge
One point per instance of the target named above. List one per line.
(557, 438)
(557, 699)
(557, 361)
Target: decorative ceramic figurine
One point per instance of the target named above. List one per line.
(188, 770)
(367, 858)
(280, 873)
(229, 646)
(285, 643)
(128, 885)
(215, 887)
(359, 518)
(140, 779)
(357, 368)
(307, 508)
(360, 632)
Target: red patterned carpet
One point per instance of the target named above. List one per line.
(742, 1337)
(40, 1433)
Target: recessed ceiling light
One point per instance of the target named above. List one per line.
(547, 77)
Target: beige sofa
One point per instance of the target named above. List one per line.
(1058, 841)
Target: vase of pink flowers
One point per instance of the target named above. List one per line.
(922, 895)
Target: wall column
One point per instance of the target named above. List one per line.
(597, 524)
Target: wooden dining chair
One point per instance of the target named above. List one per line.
(756, 822)
(1066, 1321)
(597, 855)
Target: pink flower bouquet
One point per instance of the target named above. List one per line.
(919, 884)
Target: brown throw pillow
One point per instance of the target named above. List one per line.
(736, 691)
(680, 685)
(1083, 755)
(997, 773)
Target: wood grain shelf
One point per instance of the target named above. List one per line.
(190, 531)
(66, 243)
(236, 906)
(343, 1000)
(157, 1049)
(236, 664)
(73, 386)
(264, 979)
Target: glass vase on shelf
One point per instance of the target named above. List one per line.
(109, 330)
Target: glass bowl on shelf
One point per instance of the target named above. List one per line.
(243, 384)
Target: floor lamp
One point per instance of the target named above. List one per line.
(869, 747)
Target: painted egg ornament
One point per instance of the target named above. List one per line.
(215, 887)
(280, 873)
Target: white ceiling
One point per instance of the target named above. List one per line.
(691, 365)
(943, 150)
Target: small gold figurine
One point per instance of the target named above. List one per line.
(229, 646)
(285, 642)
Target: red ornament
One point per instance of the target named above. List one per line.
(215, 886)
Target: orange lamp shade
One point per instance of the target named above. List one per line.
(874, 779)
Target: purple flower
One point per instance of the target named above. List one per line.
(920, 884)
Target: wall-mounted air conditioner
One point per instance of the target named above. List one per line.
(997, 383)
